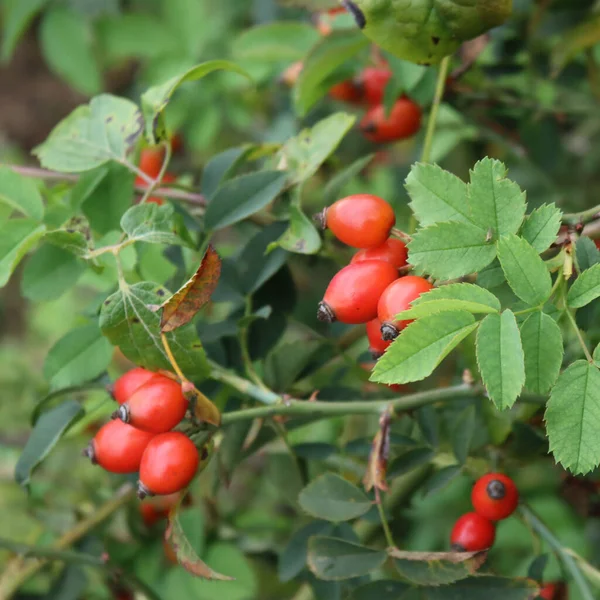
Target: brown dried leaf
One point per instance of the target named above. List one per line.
(204, 409)
(181, 307)
(378, 458)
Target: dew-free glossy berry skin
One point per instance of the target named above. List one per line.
(156, 406)
(374, 81)
(392, 250)
(353, 293)
(347, 91)
(396, 298)
(151, 161)
(118, 447)
(168, 464)
(554, 591)
(403, 121)
(361, 220)
(495, 496)
(472, 533)
(128, 383)
(377, 345)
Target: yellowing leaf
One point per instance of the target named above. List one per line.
(204, 409)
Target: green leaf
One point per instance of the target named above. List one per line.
(302, 236)
(496, 202)
(21, 193)
(332, 498)
(436, 568)
(292, 560)
(66, 44)
(441, 478)
(80, 356)
(586, 253)
(541, 227)
(151, 223)
(384, 589)
(575, 40)
(415, 457)
(437, 195)
(275, 42)
(105, 129)
(422, 346)
(17, 237)
(303, 154)
(487, 586)
(573, 418)
(450, 250)
(219, 167)
(49, 273)
(129, 320)
(16, 17)
(500, 358)
(492, 276)
(156, 99)
(455, 296)
(586, 288)
(543, 350)
(525, 270)
(334, 559)
(336, 184)
(45, 435)
(243, 196)
(463, 432)
(325, 57)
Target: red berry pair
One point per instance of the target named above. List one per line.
(494, 497)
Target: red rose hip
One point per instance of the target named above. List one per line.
(118, 447)
(361, 221)
(495, 496)
(554, 591)
(168, 464)
(128, 383)
(353, 293)
(392, 250)
(403, 121)
(472, 533)
(397, 298)
(347, 91)
(377, 345)
(151, 161)
(374, 81)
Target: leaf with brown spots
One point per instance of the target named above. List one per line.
(181, 307)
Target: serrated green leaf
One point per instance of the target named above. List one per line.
(219, 167)
(105, 129)
(455, 296)
(450, 250)
(16, 17)
(492, 276)
(20, 193)
(243, 196)
(437, 195)
(45, 435)
(543, 350)
(129, 319)
(336, 184)
(151, 223)
(156, 99)
(497, 204)
(586, 288)
(462, 433)
(541, 227)
(292, 560)
(333, 498)
(413, 458)
(301, 237)
(303, 154)
(500, 358)
(17, 237)
(422, 346)
(325, 57)
(334, 559)
(586, 253)
(525, 271)
(573, 418)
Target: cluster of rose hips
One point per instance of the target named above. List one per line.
(139, 438)
(370, 289)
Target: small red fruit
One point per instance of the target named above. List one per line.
(157, 509)
(347, 91)
(377, 345)
(554, 591)
(352, 295)
(392, 250)
(403, 122)
(168, 464)
(151, 161)
(129, 382)
(495, 496)
(472, 533)
(374, 81)
(156, 406)
(397, 298)
(597, 243)
(118, 447)
(362, 220)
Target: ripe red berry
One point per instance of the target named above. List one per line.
(118, 447)
(403, 122)
(377, 345)
(156, 406)
(347, 91)
(472, 533)
(396, 298)
(167, 178)
(495, 496)
(151, 161)
(129, 382)
(374, 81)
(554, 591)
(353, 293)
(362, 220)
(392, 250)
(168, 464)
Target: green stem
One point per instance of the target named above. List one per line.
(581, 217)
(156, 182)
(579, 336)
(243, 385)
(384, 523)
(568, 561)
